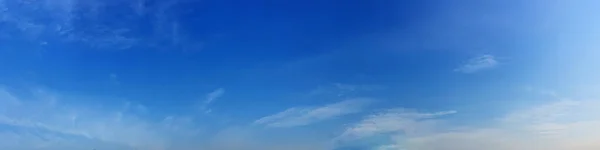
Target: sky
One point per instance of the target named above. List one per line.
(299, 75)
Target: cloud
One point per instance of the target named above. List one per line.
(300, 116)
(478, 64)
(556, 125)
(397, 121)
(560, 125)
(211, 97)
(45, 119)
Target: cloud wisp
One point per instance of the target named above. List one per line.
(46, 121)
(561, 125)
(478, 64)
(557, 125)
(300, 116)
(210, 98)
(392, 121)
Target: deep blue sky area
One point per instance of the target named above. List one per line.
(309, 75)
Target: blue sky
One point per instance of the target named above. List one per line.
(299, 75)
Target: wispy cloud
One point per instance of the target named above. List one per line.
(210, 98)
(556, 125)
(477, 64)
(397, 120)
(47, 121)
(50, 119)
(300, 116)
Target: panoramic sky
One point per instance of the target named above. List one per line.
(299, 75)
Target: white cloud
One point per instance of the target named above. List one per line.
(556, 125)
(210, 98)
(478, 63)
(48, 121)
(53, 123)
(396, 121)
(214, 95)
(299, 116)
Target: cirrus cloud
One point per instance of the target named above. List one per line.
(479, 63)
(557, 125)
(300, 116)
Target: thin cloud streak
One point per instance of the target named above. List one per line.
(300, 116)
(557, 125)
(398, 120)
(478, 64)
(47, 115)
(560, 125)
(210, 98)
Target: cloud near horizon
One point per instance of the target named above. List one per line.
(556, 125)
(46, 122)
(46, 118)
(393, 75)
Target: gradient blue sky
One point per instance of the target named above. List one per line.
(299, 75)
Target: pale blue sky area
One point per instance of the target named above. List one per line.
(299, 75)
